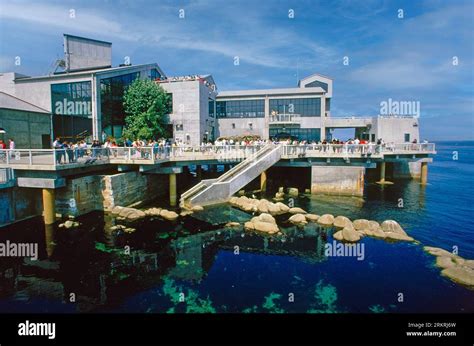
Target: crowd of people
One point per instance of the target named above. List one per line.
(69, 152)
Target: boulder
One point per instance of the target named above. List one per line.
(460, 274)
(69, 224)
(296, 210)
(283, 207)
(241, 192)
(293, 191)
(232, 224)
(135, 214)
(326, 220)
(249, 225)
(281, 189)
(398, 236)
(265, 227)
(361, 224)
(117, 227)
(298, 219)
(168, 215)
(307, 191)
(350, 234)
(153, 212)
(185, 213)
(338, 235)
(274, 209)
(436, 251)
(197, 208)
(262, 206)
(341, 222)
(129, 230)
(264, 217)
(312, 217)
(116, 210)
(392, 226)
(445, 261)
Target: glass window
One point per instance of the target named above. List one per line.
(317, 84)
(300, 134)
(308, 107)
(240, 109)
(407, 137)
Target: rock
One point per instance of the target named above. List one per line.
(197, 208)
(116, 210)
(296, 210)
(69, 224)
(248, 207)
(274, 209)
(117, 227)
(262, 206)
(293, 191)
(361, 224)
(129, 230)
(135, 214)
(168, 215)
(184, 213)
(341, 222)
(283, 207)
(445, 261)
(436, 251)
(307, 191)
(266, 227)
(279, 195)
(153, 212)
(234, 201)
(461, 274)
(241, 192)
(265, 218)
(392, 226)
(281, 189)
(298, 219)
(312, 217)
(249, 225)
(398, 236)
(338, 235)
(350, 234)
(326, 220)
(232, 224)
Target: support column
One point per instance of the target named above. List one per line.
(263, 181)
(199, 172)
(424, 173)
(382, 172)
(173, 190)
(49, 209)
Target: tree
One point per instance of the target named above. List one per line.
(146, 106)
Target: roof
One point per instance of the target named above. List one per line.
(87, 39)
(11, 102)
(271, 92)
(88, 72)
(311, 78)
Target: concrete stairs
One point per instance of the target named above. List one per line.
(213, 191)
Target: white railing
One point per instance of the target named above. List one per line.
(222, 153)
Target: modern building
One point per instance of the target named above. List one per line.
(85, 99)
(28, 125)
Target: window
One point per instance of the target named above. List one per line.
(250, 126)
(154, 74)
(240, 109)
(407, 137)
(306, 107)
(233, 125)
(170, 103)
(179, 127)
(296, 133)
(211, 108)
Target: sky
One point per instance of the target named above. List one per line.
(420, 51)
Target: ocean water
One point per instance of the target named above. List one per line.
(196, 265)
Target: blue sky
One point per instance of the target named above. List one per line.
(408, 59)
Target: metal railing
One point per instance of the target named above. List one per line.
(222, 153)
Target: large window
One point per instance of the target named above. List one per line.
(111, 96)
(307, 107)
(211, 108)
(296, 133)
(71, 105)
(240, 109)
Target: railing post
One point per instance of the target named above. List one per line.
(8, 156)
(30, 157)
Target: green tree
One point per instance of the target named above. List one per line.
(146, 106)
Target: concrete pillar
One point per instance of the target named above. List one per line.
(424, 173)
(49, 209)
(382, 172)
(173, 190)
(263, 181)
(199, 172)
(338, 180)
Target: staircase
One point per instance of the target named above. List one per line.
(212, 191)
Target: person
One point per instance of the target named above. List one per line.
(3, 146)
(11, 145)
(58, 146)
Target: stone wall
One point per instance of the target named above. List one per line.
(337, 180)
(79, 196)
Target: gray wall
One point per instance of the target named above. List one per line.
(25, 128)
